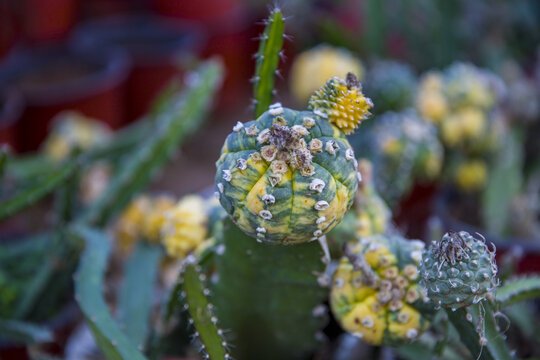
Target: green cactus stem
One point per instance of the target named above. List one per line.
(135, 298)
(201, 312)
(267, 60)
(517, 290)
(183, 117)
(4, 152)
(36, 192)
(24, 332)
(269, 296)
(88, 292)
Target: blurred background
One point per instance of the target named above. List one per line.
(453, 135)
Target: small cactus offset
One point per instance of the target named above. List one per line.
(376, 294)
(459, 270)
(267, 60)
(287, 177)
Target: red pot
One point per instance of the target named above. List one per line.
(232, 31)
(11, 106)
(157, 48)
(48, 20)
(56, 79)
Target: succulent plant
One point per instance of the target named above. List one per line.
(312, 68)
(459, 270)
(287, 177)
(405, 148)
(376, 293)
(391, 85)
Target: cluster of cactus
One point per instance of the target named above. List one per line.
(463, 102)
(391, 85)
(405, 148)
(312, 68)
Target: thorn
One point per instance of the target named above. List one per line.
(288, 37)
(278, 74)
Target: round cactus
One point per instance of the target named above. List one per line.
(287, 177)
(391, 85)
(459, 270)
(375, 291)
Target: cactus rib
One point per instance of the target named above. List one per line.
(140, 274)
(182, 118)
(24, 332)
(201, 312)
(520, 289)
(267, 60)
(33, 194)
(88, 293)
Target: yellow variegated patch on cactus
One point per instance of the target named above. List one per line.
(185, 226)
(373, 215)
(312, 68)
(155, 217)
(128, 227)
(287, 177)
(73, 130)
(471, 175)
(342, 103)
(375, 291)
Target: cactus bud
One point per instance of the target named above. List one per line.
(342, 103)
(459, 270)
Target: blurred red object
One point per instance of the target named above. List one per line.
(52, 80)
(11, 106)
(48, 20)
(415, 209)
(8, 31)
(157, 48)
(232, 31)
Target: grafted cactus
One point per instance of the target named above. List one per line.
(287, 177)
(375, 291)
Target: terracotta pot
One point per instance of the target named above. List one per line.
(156, 47)
(525, 251)
(52, 80)
(11, 107)
(48, 20)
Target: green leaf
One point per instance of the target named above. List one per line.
(266, 295)
(36, 192)
(504, 183)
(135, 299)
(88, 292)
(183, 116)
(517, 290)
(24, 332)
(201, 312)
(267, 60)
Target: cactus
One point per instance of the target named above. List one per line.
(183, 118)
(286, 177)
(36, 192)
(391, 85)
(214, 346)
(375, 291)
(517, 290)
(268, 296)
(459, 270)
(342, 103)
(140, 275)
(88, 282)
(23, 332)
(267, 59)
